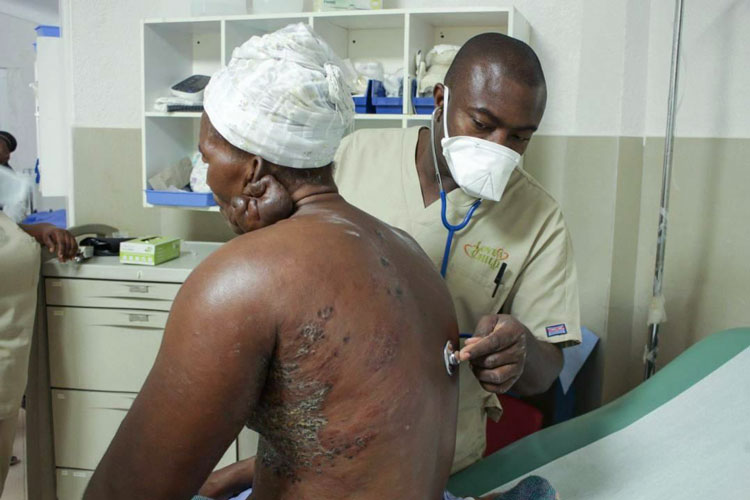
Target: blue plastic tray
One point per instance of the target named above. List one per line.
(363, 103)
(179, 198)
(422, 105)
(383, 104)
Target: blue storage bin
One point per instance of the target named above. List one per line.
(56, 218)
(180, 198)
(422, 105)
(383, 104)
(46, 30)
(363, 103)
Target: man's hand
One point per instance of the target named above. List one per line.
(497, 352)
(229, 481)
(58, 241)
(504, 354)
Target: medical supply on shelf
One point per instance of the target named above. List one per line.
(275, 6)
(191, 88)
(326, 5)
(437, 62)
(176, 176)
(149, 251)
(219, 7)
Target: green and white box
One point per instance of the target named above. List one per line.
(149, 251)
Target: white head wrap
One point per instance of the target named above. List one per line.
(284, 96)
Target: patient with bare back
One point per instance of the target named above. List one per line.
(320, 327)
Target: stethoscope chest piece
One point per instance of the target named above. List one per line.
(449, 356)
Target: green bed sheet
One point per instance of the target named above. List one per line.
(553, 442)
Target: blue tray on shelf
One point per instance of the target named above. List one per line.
(422, 105)
(385, 105)
(180, 198)
(363, 103)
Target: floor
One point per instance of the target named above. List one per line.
(15, 485)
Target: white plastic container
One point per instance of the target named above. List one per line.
(219, 7)
(276, 6)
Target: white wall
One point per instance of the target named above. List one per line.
(17, 55)
(715, 76)
(105, 37)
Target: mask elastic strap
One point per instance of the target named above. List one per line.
(434, 155)
(445, 111)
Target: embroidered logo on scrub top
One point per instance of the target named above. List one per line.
(490, 256)
(555, 330)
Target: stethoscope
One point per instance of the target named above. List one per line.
(452, 228)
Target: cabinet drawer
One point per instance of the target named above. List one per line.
(119, 294)
(84, 424)
(71, 484)
(102, 349)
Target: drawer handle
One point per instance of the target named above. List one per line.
(138, 318)
(138, 288)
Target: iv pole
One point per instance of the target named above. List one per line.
(656, 308)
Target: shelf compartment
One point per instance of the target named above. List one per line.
(173, 51)
(365, 37)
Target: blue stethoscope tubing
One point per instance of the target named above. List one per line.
(452, 228)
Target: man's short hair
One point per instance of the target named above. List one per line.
(518, 61)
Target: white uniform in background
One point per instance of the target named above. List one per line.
(375, 170)
(19, 276)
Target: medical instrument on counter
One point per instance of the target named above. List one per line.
(452, 229)
(85, 252)
(657, 314)
(104, 247)
(450, 358)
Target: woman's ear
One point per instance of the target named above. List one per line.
(263, 202)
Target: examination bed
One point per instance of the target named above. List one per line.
(684, 433)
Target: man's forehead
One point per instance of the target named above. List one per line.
(490, 90)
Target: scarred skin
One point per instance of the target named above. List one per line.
(322, 330)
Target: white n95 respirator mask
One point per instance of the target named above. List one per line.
(481, 168)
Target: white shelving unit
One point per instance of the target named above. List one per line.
(174, 49)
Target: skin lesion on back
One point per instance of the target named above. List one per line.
(290, 414)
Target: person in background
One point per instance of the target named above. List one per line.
(19, 275)
(8, 144)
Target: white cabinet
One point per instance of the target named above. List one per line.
(102, 349)
(71, 483)
(121, 294)
(84, 425)
(176, 49)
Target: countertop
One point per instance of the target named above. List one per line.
(109, 268)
